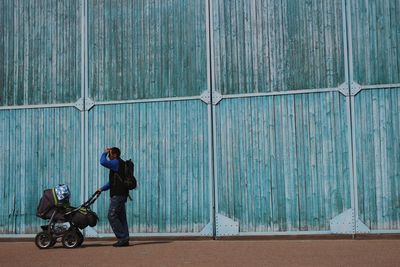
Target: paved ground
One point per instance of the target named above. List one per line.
(208, 253)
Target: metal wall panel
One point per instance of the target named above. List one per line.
(40, 50)
(375, 40)
(268, 46)
(377, 128)
(168, 141)
(282, 162)
(40, 149)
(146, 49)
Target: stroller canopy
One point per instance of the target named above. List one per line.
(52, 199)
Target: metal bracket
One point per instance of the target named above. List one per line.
(79, 104)
(226, 226)
(355, 88)
(344, 89)
(84, 104)
(361, 228)
(207, 230)
(344, 224)
(89, 103)
(216, 97)
(205, 97)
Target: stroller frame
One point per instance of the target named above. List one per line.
(71, 237)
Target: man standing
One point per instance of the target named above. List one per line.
(118, 194)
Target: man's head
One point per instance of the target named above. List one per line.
(114, 153)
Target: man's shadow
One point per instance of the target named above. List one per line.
(132, 244)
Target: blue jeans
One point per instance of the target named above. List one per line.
(117, 217)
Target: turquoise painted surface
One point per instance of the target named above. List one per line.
(40, 52)
(282, 162)
(168, 141)
(375, 41)
(268, 46)
(40, 149)
(146, 49)
(377, 128)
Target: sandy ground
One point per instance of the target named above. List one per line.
(207, 253)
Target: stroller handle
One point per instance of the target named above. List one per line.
(92, 199)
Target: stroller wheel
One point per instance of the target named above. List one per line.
(70, 239)
(44, 240)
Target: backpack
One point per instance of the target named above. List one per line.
(128, 179)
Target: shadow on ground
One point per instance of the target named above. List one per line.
(132, 244)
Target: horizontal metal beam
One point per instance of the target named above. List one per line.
(133, 235)
(381, 86)
(38, 106)
(289, 233)
(113, 235)
(167, 99)
(278, 93)
(295, 233)
(90, 103)
(385, 231)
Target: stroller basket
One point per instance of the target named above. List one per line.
(83, 216)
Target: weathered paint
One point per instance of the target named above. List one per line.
(40, 149)
(377, 131)
(146, 49)
(40, 50)
(267, 46)
(168, 142)
(282, 162)
(375, 41)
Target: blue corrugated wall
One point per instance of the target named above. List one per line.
(375, 39)
(147, 49)
(289, 167)
(307, 126)
(40, 52)
(376, 61)
(168, 142)
(41, 148)
(267, 46)
(377, 119)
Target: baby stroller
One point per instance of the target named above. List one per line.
(64, 221)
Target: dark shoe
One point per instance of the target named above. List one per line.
(121, 244)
